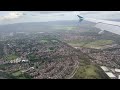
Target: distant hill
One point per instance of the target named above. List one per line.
(39, 26)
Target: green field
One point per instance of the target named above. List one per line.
(89, 72)
(54, 41)
(44, 41)
(77, 44)
(65, 27)
(98, 44)
(17, 73)
(10, 57)
(91, 44)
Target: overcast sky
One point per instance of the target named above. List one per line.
(8, 17)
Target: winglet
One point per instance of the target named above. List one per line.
(80, 18)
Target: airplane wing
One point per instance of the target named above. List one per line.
(111, 26)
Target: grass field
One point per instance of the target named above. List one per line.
(17, 73)
(44, 41)
(10, 57)
(91, 44)
(98, 44)
(65, 27)
(78, 42)
(89, 72)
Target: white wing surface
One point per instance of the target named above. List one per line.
(111, 26)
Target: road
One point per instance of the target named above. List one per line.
(74, 71)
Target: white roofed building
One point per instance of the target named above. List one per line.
(118, 76)
(117, 70)
(105, 68)
(111, 75)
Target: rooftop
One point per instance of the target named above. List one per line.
(104, 68)
(117, 70)
(110, 74)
